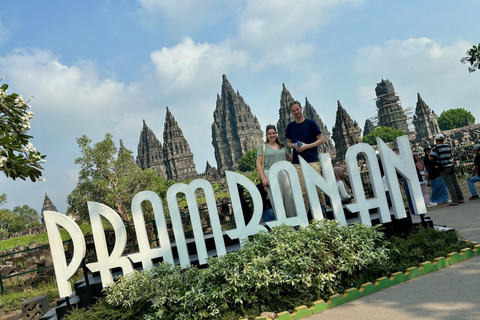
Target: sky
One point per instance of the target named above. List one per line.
(103, 66)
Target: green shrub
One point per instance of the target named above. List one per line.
(276, 270)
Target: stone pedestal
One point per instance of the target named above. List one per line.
(35, 308)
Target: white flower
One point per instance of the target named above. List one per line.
(30, 147)
(41, 179)
(3, 160)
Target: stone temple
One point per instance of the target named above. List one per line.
(235, 130)
(425, 121)
(345, 133)
(390, 111)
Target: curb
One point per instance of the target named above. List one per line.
(380, 284)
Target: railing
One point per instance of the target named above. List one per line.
(227, 222)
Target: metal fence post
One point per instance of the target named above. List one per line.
(1, 282)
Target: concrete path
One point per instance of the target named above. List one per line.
(450, 293)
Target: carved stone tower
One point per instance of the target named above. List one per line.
(177, 156)
(47, 206)
(424, 120)
(284, 115)
(368, 128)
(390, 111)
(345, 133)
(150, 152)
(310, 113)
(235, 130)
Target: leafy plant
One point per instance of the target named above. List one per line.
(455, 118)
(276, 270)
(473, 58)
(18, 157)
(248, 161)
(387, 134)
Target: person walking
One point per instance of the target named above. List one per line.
(438, 192)
(442, 153)
(423, 184)
(475, 177)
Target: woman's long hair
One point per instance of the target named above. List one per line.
(271, 126)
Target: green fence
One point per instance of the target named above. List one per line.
(132, 246)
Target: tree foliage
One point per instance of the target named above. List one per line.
(248, 161)
(112, 180)
(473, 58)
(387, 134)
(18, 157)
(455, 118)
(18, 219)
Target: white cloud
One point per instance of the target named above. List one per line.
(265, 24)
(285, 56)
(59, 88)
(189, 66)
(412, 55)
(419, 65)
(5, 33)
(186, 15)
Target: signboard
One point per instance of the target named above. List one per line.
(116, 259)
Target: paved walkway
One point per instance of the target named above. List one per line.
(450, 293)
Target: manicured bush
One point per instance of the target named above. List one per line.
(276, 270)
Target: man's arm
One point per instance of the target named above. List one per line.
(291, 144)
(320, 140)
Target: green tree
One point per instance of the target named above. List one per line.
(473, 58)
(112, 180)
(18, 219)
(387, 134)
(455, 118)
(248, 161)
(18, 157)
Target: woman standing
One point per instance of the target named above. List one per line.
(423, 184)
(268, 153)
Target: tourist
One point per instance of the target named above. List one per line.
(268, 153)
(442, 153)
(423, 184)
(345, 195)
(304, 136)
(438, 192)
(475, 177)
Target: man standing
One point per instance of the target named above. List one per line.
(475, 177)
(442, 153)
(304, 136)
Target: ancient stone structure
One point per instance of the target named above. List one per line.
(177, 156)
(47, 206)
(345, 133)
(310, 113)
(425, 121)
(390, 111)
(235, 130)
(150, 152)
(368, 128)
(284, 115)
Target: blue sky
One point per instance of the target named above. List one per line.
(103, 66)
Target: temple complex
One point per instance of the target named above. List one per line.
(177, 156)
(235, 130)
(47, 206)
(425, 121)
(368, 127)
(310, 113)
(150, 152)
(389, 108)
(284, 115)
(345, 133)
